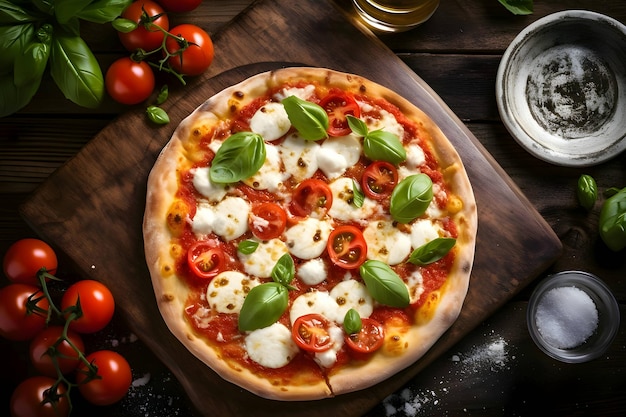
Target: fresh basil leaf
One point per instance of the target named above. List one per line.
(12, 97)
(357, 125)
(308, 118)
(263, 306)
(383, 284)
(13, 14)
(518, 7)
(157, 115)
(352, 322)
(103, 11)
(29, 66)
(64, 10)
(124, 25)
(247, 246)
(384, 146)
(432, 251)
(284, 270)
(163, 95)
(45, 6)
(411, 197)
(587, 191)
(76, 71)
(239, 157)
(13, 41)
(612, 222)
(358, 198)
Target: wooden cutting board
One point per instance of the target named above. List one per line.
(91, 208)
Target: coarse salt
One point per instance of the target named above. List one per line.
(566, 317)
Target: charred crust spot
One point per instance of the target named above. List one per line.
(168, 298)
(239, 94)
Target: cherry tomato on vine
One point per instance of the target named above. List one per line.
(96, 305)
(311, 333)
(145, 13)
(338, 105)
(179, 6)
(193, 55)
(205, 259)
(346, 247)
(267, 220)
(31, 400)
(128, 81)
(311, 196)
(18, 321)
(369, 339)
(379, 180)
(25, 258)
(113, 381)
(66, 357)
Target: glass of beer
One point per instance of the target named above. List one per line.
(395, 15)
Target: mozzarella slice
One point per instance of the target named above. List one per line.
(312, 272)
(231, 218)
(271, 175)
(415, 156)
(352, 294)
(415, 284)
(423, 231)
(303, 93)
(386, 122)
(203, 220)
(270, 121)
(319, 302)
(226, 292)
(299, 156)
(338, 154)
(328, 357)
(261, 262)
(307, 239)
(343, 207)
(386, 243)
(271, 347)
(202, 183)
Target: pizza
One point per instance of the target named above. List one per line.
(308, 233)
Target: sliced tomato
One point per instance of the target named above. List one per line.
(312, 195)
(338, 105)
(310, 332)
(206, 260)
(347, 247)
(267, 220)
(369, 339)
(379, 180)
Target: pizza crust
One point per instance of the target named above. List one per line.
(172, 293)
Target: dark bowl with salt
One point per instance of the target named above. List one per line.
(561, 88)
(573, 316)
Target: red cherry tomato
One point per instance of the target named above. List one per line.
(26, 257)
(310, 332)
(312, 195)
(347, 247)
(66, 357)
(197, 56)
(267, 220)
(32, 398)
(128, 81)
(379, 180)
(206, 260)
(96, 304)
(338, 105)
(113, 381)
(145, 13)
(369, 339)
(17, 320)
(179, 6)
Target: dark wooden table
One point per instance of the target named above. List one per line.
(496, 369)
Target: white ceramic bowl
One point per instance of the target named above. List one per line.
(561, 88)
(575, 283)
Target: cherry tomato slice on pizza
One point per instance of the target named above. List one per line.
(347, 247)
(338, 105)
(267, 220)
(310, 332)
(206, 260)
(379, 180)
(369, 339)
(312, 195)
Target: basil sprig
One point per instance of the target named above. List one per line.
(383, 284)
(247, 246)
(263, 306)
(308, 118)
(358, 198)
(378, 145)
(284, 271)
(239, 157)
(411, 198)
(432, 251)
(587, 191)
(352, 322)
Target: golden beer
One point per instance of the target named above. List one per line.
(395, 15)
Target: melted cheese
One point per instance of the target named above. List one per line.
(261, 262)
(270, 121)
(307, 239)
(271, 175)
(202, 183)
(338, 154)
(343, 207)
(227, 291)
(423, 231)
(352, 294)
(319, 302)
(231, 218)
(272, 346)
(312, 272)
(328, 357)
(386, 243)
(299, 156)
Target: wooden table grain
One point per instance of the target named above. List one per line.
(496, 369)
